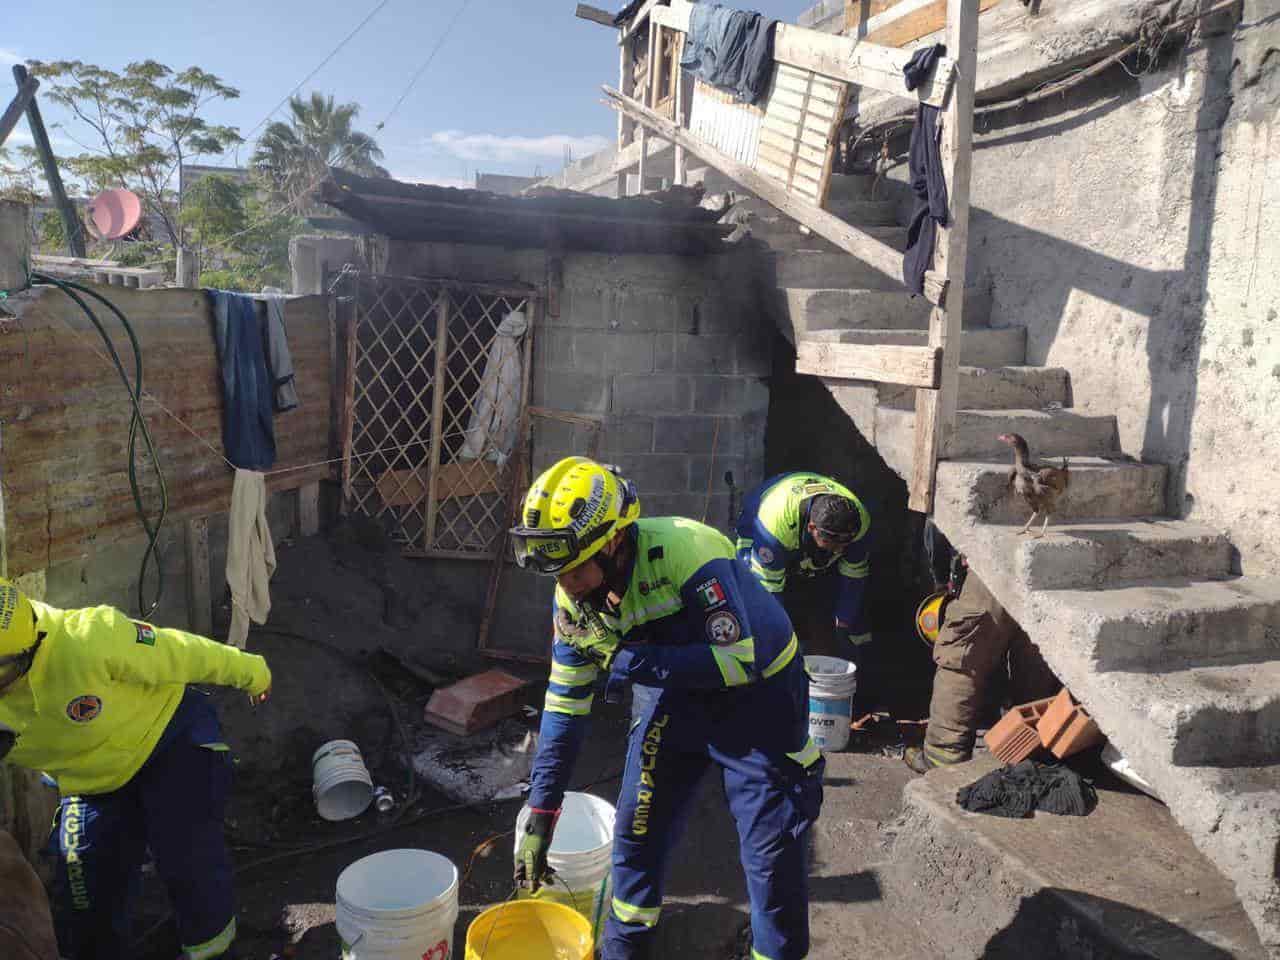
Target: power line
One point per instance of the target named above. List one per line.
(332, 53)
(423, 69)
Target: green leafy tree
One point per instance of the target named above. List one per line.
(292, 157)
(142, 124)
(242, 243)
(17, 176)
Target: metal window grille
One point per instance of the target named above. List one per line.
(437, 380)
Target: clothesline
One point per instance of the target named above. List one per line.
(151, 398)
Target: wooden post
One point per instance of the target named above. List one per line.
(309, 509)
(199, 587)
(15, 244)
(349, 399)
(187, 272)
(70, 219)
(936, 409)
(17, 107)
(437, 412)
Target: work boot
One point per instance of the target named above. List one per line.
(919, 761)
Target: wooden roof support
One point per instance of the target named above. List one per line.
(594, 14)
(910, 366)
(13, 113)
(847, 237)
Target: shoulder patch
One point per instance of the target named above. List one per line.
(146, 634)
(723, 628)
(655, 553)
(85, 708)
(711, 593)
(765, 555)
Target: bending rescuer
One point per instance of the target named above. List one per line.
(100, 703)
(717, 685)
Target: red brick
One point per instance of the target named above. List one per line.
(476, 703)
(1014, 738)
(1066, 727)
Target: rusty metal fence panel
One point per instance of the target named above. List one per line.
(437, 378)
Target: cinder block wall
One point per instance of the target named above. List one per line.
(674, 353)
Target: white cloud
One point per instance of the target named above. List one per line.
(493, 147)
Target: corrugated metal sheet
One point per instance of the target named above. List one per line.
(65, 417)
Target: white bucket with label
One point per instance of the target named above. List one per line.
(398, 905)
(341, 784)
(581, 855)
(832, 683)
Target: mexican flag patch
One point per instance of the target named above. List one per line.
(711, 593)
(146, 634)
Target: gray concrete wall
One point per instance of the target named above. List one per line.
(1129, 226)
(674, 353)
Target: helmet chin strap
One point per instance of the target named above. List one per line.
(613, 569)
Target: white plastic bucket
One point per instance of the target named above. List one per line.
(341, 784)
(581, 855)
(832, 682)
(398, 905)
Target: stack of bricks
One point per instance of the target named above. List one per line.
(1057, 724)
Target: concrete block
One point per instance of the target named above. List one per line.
(591, 307)
(970, 492)
(694, 434)
(996, 388)
(704, 472)
(656, 473)
(689, 505)
(648, 311)
(1014, 736)
(572, 390)
(613, 351)
(704, 353)
(631, 434)
(552, 350)
(652, 393)
(979, 346)
(826, 270)
(1100, 554)
(729, 395)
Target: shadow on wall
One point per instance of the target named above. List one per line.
(1043, 929)
(1173, 301)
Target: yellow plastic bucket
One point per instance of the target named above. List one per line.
(529, 930)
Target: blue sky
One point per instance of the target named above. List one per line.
(515, 82)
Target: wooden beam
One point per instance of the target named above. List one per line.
(936, 410)
(70, 219)
(199, 588)
(910, 20)
(642, 15)
(909, 366)
(594, 14)
(438, 389)
(847, 237)
(13, 113)
(309, 509)
(849, 59)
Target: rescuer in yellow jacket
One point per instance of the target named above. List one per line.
(100, 703)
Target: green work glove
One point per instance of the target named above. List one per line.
(531, 857)
(589, 636)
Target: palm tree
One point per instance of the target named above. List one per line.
(292, 157)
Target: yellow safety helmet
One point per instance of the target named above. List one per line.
(17, 633)
(570, 512)
(930, 614)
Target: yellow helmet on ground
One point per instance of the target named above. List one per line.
(17, 633)
(929, 616)
(570, 513)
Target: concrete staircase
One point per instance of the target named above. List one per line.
(1140, 615)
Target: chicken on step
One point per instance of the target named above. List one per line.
(1038, 486)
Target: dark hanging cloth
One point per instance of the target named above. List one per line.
(248, 433)
(927, 180)
(1018, 790)
(730, 49)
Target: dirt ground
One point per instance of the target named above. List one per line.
(358, 638)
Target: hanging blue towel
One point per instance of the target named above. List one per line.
(248, 434)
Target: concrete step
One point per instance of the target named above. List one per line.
(824, 270)
(970, 492)
(1052, 434)
(866, 213)
(979, 346)
(1096, 554)
(781, 235)
(1178, 623)
(996, 388)
(1124, 881)
(815, 308)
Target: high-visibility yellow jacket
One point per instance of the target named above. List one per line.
(102, 689)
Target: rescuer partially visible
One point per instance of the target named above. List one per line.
(101, 704)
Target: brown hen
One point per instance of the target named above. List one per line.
(1039, 486)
